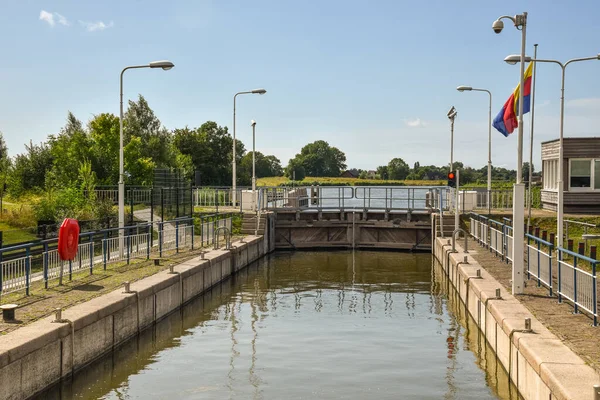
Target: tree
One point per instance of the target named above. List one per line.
(29, 169)
(382, 171)
(320, 159)
(265, 166)
(398, 169)
(140, 121)
(526, 171)
(295, 171)
(104, 132)
(139, 170)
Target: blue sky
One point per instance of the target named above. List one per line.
(372, 78)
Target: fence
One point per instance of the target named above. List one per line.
(26, 263)
(498, 198)
(573, 283)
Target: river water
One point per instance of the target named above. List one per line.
(308, 325)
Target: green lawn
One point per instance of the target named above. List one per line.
(11, 235)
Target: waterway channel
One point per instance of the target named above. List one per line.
(308, 325)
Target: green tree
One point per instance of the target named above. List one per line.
(140, 121)
(382, 171)
(294, 170)
(139, 170)
(104, 133)
(321, 159)
(29, 169)
(398, 169)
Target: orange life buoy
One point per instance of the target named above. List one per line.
(68, 239)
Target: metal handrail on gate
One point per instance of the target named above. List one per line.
(457, 230)
(227, 238)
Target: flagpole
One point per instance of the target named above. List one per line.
(534, 78)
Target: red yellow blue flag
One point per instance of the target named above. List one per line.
(506, 120)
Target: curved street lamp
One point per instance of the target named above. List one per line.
(513, 59)
(489, 170)
(260, 91)
(165, 65)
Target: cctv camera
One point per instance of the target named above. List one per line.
(451, 112)
(497, 26)
(452, 115)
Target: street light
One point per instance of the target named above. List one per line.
(253, 124)
(520, 22)
(489, 170)
(451, 116)
(165, 65)
(234, 175)
(559, 209)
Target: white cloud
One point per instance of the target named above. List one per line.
(53, 17)
(415, 123)
(96, 26)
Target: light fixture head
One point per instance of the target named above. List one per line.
(498, 25)
(164, 64)
(259, 91)
(452, 113)
(464, 88)
(253, 123)
(515, 58)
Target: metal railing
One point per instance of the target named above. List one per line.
(576, 278)
(539, 261)
(39, 261)
(364, 198)
(209, 225)
(577, 285)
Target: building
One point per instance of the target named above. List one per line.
(351, 173)
(581, 174)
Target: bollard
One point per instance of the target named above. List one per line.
(8, 312)
(58, 315)
(593, 252)
(498, 295)
(537, 231)
(156, 262)
(126, 284)
(528, 324)
(478, 273)
(466, 260)
(545, 235)
(552, 237)
(596, 392)
(570, 244)
(581, 248)
(171, 269)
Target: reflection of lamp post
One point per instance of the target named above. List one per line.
(489, 170)
(520, 22)
(165, 65)
(253, 124)
(233, 172)
(512, 59)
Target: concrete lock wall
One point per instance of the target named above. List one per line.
(538, 363)
(40, 354)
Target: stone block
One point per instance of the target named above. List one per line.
(92, 341)
(168, 299)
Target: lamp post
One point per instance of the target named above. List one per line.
(165, 65)
(451, 116)
(253, 124)
(234, 175)
(520, 22)
(559, 209)
(489, 170)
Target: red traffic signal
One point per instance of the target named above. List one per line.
(451, 179)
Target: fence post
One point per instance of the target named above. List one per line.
(575, 284)
(177, 202)
(538, 264)
(91, 255)
(594, 295)
(537, 231)
(128, 244)
(177, 236)
(27, 270)
(570, 244)
(148, 240)
(217, 201)
(201, 231)
(545, 235)
(160, 238)
(552, 237)
(559, 275)
(550, 268)
(104, 246)
(131, 204)
(162, 204)
(70, 270)
(45, 262)
(581, 248)
(593, 252)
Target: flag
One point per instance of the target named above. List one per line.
(506, 120)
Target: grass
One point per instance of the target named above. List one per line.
(11, 234)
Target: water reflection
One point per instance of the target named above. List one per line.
(308, 325)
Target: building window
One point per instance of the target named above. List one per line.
(550, 174)
(584, 174)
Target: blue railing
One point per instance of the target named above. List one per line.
(573, 283)
(577, 285)
(26, 263)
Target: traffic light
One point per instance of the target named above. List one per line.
(452, 179)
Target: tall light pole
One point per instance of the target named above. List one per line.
(520, 22)
(253, 124)
(559, 209)
(489, 169)
(233, 172)
(451, 116)
(530, 177)
(165, 65)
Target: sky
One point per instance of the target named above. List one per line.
(373, 78)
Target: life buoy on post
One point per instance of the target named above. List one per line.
(68, 239)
